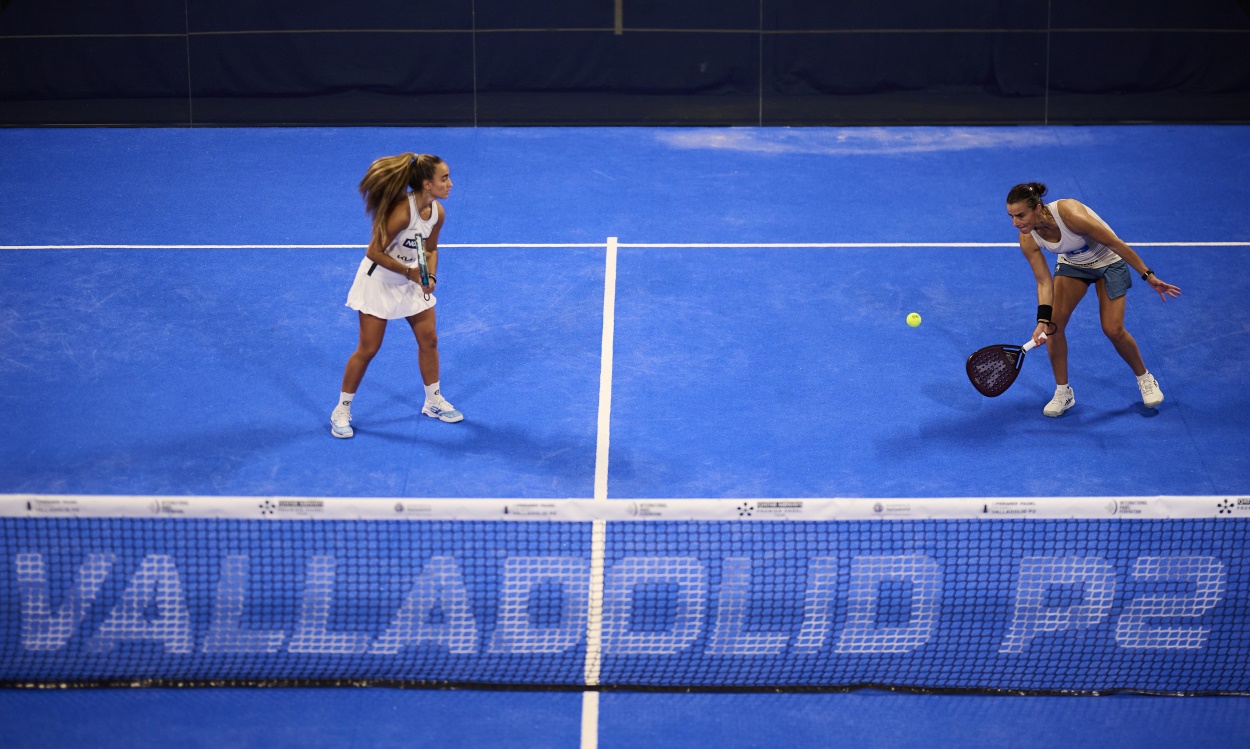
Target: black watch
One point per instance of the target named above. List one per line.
(1146, 276)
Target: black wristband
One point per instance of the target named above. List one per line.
(1044, 312)
(1146, 276)
(432, 277)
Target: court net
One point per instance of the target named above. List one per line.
(1066, 595)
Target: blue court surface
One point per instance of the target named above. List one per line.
(172, 324)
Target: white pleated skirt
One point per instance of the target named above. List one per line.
(373, 296)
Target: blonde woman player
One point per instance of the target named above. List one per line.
(1089, 254)
(401, 196)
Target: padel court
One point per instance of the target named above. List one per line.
(644, 318)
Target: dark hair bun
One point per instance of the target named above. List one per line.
(1028, 192)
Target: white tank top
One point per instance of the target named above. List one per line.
(1077, 249)
(406, 243)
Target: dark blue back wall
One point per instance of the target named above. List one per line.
(504, 62)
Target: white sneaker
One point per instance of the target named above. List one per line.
(442, 410)
(1151, 395)
(1063, 400)
(340, 419)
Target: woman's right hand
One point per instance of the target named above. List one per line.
(1040, 333)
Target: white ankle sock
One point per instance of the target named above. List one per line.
(431, 392)
(345, 399)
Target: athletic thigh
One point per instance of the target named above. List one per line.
(372, 330)
(1068, 293)
(1110, 311)
(424, 326)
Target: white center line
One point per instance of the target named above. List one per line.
(594, 618)
(590, 720)
(605, 372)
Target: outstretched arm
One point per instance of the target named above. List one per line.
(1077, 218)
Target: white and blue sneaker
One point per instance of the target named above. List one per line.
(340, 422)
(1063, 400)
(440, 409)
(1151, 395)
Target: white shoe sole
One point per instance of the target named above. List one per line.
(335, 432)
(447, 417)
(1046, 411)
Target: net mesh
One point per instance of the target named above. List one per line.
(975, 604)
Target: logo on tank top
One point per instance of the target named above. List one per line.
(412, 243)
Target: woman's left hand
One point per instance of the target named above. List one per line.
(1164, 289)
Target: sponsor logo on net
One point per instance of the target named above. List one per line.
(1234, 506)
(292, 507)
(526, 510)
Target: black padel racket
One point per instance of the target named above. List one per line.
(423, 264)
(993, 368)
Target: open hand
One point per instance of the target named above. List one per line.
(1164, 289)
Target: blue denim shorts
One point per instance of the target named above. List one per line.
(1118, 279)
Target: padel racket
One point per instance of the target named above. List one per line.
(993, 368)
(423, 264)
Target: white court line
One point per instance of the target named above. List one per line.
(598, 533)
(577, 245)
(508, 245)
(605, 371)
(835, 245)
(590, 720)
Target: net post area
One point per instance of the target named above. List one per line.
(1068, 595)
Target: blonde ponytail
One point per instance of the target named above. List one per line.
(384, 185)
(387, 181)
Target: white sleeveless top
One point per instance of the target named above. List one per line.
(406, 243)
(1077, 249)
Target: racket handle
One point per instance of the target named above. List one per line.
(1031, 345)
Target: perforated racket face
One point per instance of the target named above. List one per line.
(994, 368)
